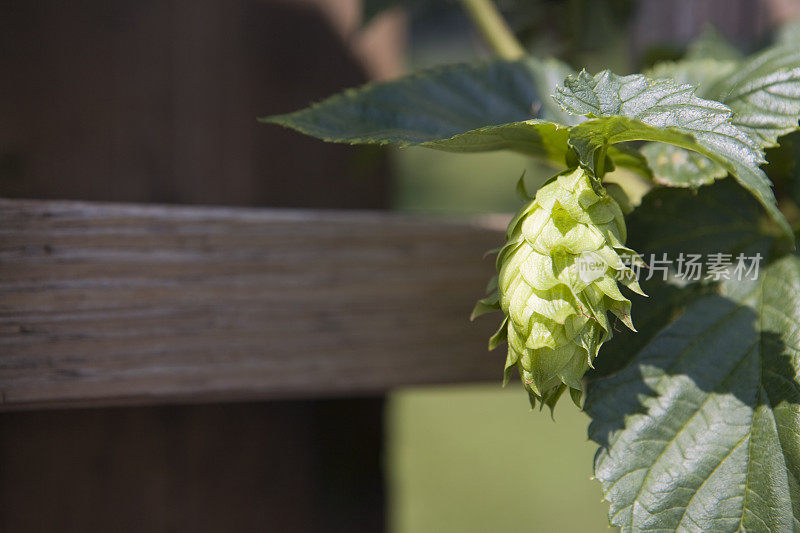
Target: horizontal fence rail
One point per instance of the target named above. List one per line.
(108, 304)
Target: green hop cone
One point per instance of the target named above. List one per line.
(557, 280)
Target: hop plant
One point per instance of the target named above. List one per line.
(719, 360)
(557, 280)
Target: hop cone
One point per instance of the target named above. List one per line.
(557, 280)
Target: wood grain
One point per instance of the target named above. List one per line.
(113, 304)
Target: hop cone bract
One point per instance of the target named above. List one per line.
(557, 281)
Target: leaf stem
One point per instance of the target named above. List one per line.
(494, 28)
(600, 165)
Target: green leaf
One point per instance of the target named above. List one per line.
(701, 430)
(664, 302)
(637, 108)
(435, 104)
(764, 94)
(720, 218)
(676, 167)
(702, 73)
(533, 137)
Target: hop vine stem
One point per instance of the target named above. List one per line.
(494, 29)
(600, 169)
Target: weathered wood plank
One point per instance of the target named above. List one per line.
(111, 304)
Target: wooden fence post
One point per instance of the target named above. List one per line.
(156, 101)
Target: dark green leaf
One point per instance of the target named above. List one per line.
(718, 218)
(721, 218)
(701, 430)
(534, 137)
(435, 104)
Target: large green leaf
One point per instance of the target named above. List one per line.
(678, 223)
(719, 218)
(763, 90)
(436, 104)
(764, 94)
(664, 303)
(538, 138)
(701, 430)
(701, 73)
(635, 108)
(677, 167)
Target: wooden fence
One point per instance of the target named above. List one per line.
(109, 304)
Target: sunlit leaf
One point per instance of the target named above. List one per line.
(635, 108)
(763, 92)
(701, 430)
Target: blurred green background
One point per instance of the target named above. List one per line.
(476, 459)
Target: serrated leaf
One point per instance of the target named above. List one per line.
(764, 94)
(701, 73)
(460, 108)
(677, 167)
(435, 104)
(637, 108)
(701, 431)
